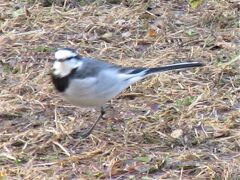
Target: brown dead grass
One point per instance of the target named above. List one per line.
(180, 125)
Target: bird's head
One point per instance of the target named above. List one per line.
(66, 60)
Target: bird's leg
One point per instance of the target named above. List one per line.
(88, 132)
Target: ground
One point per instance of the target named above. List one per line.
(176, 125)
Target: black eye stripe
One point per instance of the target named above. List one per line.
(67, 59)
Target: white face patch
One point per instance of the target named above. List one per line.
(64, 54)
(64, 68)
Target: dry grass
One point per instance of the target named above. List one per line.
(178, 125)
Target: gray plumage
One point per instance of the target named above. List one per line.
(92, 67)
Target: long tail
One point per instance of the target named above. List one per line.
(132, 75)
(173, 67)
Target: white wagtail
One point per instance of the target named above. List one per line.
(90, 82)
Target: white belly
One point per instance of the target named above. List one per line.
(96, 91)
(92, 93)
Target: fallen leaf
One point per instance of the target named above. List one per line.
(221, 133)
(152, 33)
(107, 35)
(177, 133)
(195, 3)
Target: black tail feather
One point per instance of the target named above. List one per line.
(174, 66)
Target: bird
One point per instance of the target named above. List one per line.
(89, 82)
